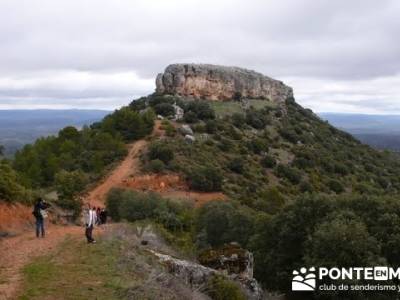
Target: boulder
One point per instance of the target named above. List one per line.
(190, 138)
(185, 129)
(204, 81)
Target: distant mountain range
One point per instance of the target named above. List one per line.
(20, 127)
(379, 131)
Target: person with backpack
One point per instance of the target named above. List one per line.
(40, 213)
(103, 216)
(98, 212)
(90, 221)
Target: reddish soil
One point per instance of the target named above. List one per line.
(14, 218)
(198, 198)
(127, 168)
(155, 182)
(170, 186)
(17, 251)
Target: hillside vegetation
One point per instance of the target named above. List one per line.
(274, 150)
(298, 190)
(297, 187)
(72, 159)
(20, 127)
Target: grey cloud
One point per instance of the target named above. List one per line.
(321, 41)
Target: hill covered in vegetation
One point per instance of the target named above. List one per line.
(296, 185)
(73, 159)
(298, 192)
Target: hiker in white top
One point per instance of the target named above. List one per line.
(90, 221)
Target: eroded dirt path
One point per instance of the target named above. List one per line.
(128, 167)
(16, 252)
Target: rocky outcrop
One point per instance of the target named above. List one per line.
(230, 258)
(203, 81)
(197, 276)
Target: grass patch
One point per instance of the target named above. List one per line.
(76, 271)
(224, 108)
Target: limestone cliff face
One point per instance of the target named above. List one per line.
(203, 81)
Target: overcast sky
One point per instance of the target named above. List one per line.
(340, 56)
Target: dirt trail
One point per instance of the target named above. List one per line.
(128, 167)
(18, 251)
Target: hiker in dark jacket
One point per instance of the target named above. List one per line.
(39, 211)
(103, 216)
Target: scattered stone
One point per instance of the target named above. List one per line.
(179, 112)
(203, 137)
(185, 129)
(230, 258)
(190, 138)
(197, 275)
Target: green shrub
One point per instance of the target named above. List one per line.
(138, 206)
(219, 222)
(238, 120)
(199, 110)
(268, 161)
(236, 165)
(129, 123)
(10, 188)
(341, 169)
(164, 109)
(256, 119)
(134, 206)
(270, 201)
(113, 202)
(68, 186)
(292, 174)
(207, 179)
(336, 186)
(257, 146)
(190, 117)
(220, 288)
(211, 126)
(156, 166)
(305, 186)
(289, 134)
(161, 151)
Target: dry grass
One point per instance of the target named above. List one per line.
(117, 267)
(15, 218)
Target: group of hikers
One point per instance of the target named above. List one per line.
(93, 216)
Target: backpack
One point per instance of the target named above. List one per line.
(43, 213)
(36, 213)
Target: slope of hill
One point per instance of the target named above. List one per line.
(291, 188)
(20, 127)
(378, 131)
(294, 183)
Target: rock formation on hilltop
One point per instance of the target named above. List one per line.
(203, 81)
